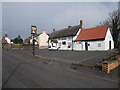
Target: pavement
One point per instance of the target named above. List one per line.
(22, 70)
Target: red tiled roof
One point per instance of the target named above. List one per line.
(93, 33)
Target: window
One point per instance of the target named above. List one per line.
(64, 43)
(99, 44)
(79, 42)
(53, 45)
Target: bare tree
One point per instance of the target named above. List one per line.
(114, 23)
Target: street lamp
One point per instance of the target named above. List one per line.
(33, 32)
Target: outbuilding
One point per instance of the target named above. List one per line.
(92, 39)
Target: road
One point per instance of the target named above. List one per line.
(26, 71)
(82, 57)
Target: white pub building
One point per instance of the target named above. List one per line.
(77, 38)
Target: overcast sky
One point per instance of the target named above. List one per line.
(17, 17)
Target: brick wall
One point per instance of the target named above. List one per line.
(107, 66)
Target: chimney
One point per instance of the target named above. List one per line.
(81, 24)
(43, 30)
(53, 30)
(6, 35)
(69, 26)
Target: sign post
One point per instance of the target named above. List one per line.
(33, 32)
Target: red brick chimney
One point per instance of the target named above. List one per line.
(53, 30)
(81, 24)
(69, 26)
(6, 35)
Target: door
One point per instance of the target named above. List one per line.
(109, 44)
(86, 46)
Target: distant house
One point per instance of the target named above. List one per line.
(29, 40)
(6, 42)
(6, 39)
(64, 39)
(97, 38)
(36, 40)
(43, 40)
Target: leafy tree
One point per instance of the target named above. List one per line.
(18, 40)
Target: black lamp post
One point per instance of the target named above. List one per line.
(33, 32)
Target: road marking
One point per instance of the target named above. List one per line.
(86, 59)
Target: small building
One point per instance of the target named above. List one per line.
(43, 40)
(97, 38)
(7, 39)
(64, 39)
(6, 42)
(27, 40)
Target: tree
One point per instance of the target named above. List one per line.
(18, 40)
(114, 23)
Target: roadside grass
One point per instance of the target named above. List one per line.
(111, 60)
(82, 65)
(21, 45)
(112, 71)
(27, 44)
(99, 66)
(17, 45)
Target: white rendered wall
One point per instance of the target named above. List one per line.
(52, 45)
(78, 46)
(43, 39)
(8, 40)
(65, 47)
(107, 39)
(68, 41)
(59, 45)
(93, 45)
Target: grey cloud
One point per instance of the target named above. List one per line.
(17, 17)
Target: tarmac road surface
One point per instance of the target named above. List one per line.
(25, 71)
